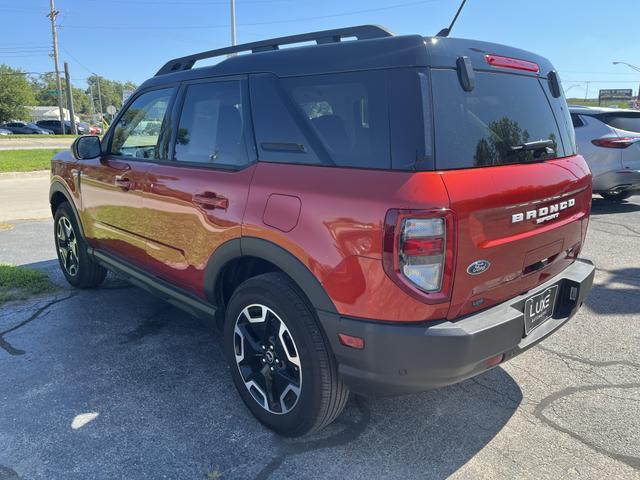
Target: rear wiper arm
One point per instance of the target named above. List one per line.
(546, 145)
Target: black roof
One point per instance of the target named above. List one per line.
(375, 48)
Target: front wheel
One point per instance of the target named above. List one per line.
(78, 267)
(615, 197)
(280, 361)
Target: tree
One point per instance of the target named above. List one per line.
(15, 94)
(44, 88)
(110, 90)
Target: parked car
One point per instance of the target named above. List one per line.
(54, 126)
(384, 215)
(4, 131)
(25, 128)
(93, 130)
(609, 140)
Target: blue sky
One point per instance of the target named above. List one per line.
(130, 40)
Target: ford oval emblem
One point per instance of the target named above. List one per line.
(478, 267)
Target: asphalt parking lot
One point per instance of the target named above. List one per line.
(114, 383)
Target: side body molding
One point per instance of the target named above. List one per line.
(278, 256)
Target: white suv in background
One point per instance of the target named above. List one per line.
(609, 140)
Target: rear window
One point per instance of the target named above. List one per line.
(487, 126)
(629, 121)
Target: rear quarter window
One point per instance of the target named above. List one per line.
(481, 127)
(347, 113)
(629, 121)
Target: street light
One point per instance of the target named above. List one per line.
(637, 69)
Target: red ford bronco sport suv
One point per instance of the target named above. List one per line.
(382, 215)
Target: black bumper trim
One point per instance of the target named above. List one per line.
(409, 358)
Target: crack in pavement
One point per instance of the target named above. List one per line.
(593, 363)
(352, 430)
(633, 462)
(10, 349)
(630, 460)
(637, 233)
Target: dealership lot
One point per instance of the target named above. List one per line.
(114, 383)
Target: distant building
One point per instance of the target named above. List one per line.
(48, 113)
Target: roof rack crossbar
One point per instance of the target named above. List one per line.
(361, 32)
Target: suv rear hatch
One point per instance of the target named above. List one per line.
(506, 154)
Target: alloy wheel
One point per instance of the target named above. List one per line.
(67, 246)
(268, 359)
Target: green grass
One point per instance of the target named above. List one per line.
(26, 160)
(593, 102)
(51, 137)
(20, 283)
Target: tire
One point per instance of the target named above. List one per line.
(269, 310)
(78, 267)
(617, 197)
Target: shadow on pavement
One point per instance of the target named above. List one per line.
(611, 299)
(166, 406)
(600, 206)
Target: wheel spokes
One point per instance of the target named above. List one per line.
(267, 358)
(67, 246)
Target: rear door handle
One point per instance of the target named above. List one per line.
(123, 182)
(210, 201)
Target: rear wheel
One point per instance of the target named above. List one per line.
(615, 197)
(78, 267)
(280, 361)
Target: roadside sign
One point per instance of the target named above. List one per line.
(111, 110)
(615, 95)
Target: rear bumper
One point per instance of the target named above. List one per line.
(407, 358)
(617, 180)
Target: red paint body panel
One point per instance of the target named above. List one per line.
(339, 233)
(182, 233)
(484, 200)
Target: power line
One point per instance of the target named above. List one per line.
(78, 61)
(272, 22)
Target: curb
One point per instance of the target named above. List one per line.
(33, 174)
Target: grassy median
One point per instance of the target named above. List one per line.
(20, 283)
(26, 160)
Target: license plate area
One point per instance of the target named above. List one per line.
(539, 308)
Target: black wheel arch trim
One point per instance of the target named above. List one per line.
(58, 187)
(272, 253)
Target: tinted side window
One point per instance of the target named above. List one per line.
(482, 127)
(138, 130)
(348, 114)
(576, 120)
(211, 125)
(629, 121)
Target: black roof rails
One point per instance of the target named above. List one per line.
(361, 32)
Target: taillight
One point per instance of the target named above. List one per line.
(513, 63)
(615, 142)
(418, 252)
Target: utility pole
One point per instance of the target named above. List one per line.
(99, 97)
(72, 113)
(586, 92)
(53, 14)
(93, 111)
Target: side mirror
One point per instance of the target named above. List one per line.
(86, 146)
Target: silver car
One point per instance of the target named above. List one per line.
(609, 140)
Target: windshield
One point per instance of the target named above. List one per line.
(505, 119)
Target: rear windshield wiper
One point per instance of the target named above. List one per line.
(546, 145)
